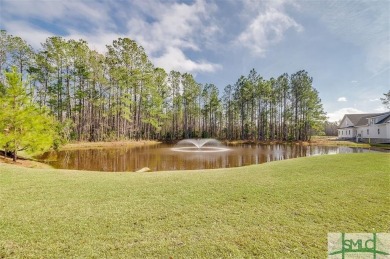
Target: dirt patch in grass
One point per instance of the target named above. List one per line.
(22, 162)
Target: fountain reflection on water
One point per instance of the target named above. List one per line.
(199, 146)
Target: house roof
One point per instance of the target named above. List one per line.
(360, 119)
(363, 119)
(385, 119)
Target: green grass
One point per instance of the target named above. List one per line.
(277, 210)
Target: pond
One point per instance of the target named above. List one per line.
(162, 157)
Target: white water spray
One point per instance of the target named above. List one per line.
(199, 145)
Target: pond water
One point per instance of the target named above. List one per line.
(162, 157)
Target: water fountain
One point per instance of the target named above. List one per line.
(199, 145)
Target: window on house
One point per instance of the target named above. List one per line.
(379, 131)
(368, 132)
(349, 132)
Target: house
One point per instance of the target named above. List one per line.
(372, 127)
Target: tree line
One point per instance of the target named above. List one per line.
(121, 95)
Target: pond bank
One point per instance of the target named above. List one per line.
(24, 162)
(316, 140)
(29, 161)
(110, 144)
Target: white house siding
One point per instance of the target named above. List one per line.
(347, 133)
(373, 131)
(363, 132)
(388, 130)
(373, 136)
(382, 131)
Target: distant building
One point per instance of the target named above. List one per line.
(373, 127)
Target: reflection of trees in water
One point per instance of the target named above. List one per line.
(160, 158)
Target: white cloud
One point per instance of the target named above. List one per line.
(66, 16)
(176, 27)
(36, 36)
(69, 12)
(339, 114)
(97, 40)
(252, 7)
(342, 99)
(174, 59)
(166, 29)
(267, 28)
(31, 34)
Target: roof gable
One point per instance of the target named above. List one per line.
(357, 119)
(354, 120)
(345, 122)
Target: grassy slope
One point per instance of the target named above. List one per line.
(279, 209)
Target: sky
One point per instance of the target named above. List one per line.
(344, 45)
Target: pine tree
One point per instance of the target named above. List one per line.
(386, 100)
(22, 125)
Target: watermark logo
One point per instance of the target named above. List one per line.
(358, 245)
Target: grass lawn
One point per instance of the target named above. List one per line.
(281, 209)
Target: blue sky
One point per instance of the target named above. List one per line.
(344, 45)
